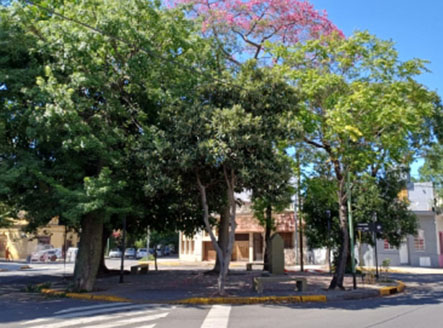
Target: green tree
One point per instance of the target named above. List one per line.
(372, 198)
(225, 135)
(73, 132)
(272, 193)
(361, 109)
(432, 169)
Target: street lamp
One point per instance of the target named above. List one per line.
(351, 229)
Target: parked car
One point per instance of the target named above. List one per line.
(141, 252)
(71, 254)
(130, 253)
(47, 255)
(159, 250)
(115, 253)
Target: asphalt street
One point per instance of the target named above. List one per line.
(420, 306)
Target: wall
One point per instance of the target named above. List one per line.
(428, 225)
(21, 244)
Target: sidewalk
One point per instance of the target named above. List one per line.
(182, 281)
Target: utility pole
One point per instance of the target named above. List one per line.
(351, 228)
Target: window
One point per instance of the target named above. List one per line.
(288, 239)
(419, 240)
(388, 246)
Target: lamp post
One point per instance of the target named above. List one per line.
(351, 229)
(300, 230)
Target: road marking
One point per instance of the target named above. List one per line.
(133, 321)
(46, 322)
(89, 307)
(217, 317)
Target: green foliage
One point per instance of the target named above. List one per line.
(79, 100)
(361, 104)
(370, 196)
(320, 212)
(432, 169)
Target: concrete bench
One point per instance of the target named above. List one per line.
(300, 283)
(251, 264)
(142, 268)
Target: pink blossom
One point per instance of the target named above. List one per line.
(252, 22)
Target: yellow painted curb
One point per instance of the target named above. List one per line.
(392, 290)
(85, 296)
(251, 300)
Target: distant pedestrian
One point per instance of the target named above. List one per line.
(7, 254)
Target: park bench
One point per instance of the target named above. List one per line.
(300, 283)
(251, 264)
(142, 268)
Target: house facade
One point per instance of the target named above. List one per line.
(21, 244)
(424, 249)
(249, 238)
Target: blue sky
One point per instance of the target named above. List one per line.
(416, 27)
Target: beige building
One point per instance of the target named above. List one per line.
(21, 244)
(249, 239)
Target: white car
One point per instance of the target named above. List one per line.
(141, 253)
(115, 253)
(47, 255)
(130, 253)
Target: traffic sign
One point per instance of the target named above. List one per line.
(371, 226)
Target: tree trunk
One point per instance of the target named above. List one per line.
(155, 257)
(225, 257)
(102, 269)
(223, 236)
(90, 250)
(339, 274)
(268, 227)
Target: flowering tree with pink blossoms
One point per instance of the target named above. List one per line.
(242, 27)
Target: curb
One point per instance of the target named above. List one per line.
(251, 300)
(384, 291)
(85, 296)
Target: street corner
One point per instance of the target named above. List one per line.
(391, 290)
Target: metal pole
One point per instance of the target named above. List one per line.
(328, 213)
(375, 246)
(299, 212)
(122, 264)
(351, 230)
(148, 237)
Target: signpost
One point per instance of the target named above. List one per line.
(374, 227)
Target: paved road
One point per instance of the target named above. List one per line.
(420, 306)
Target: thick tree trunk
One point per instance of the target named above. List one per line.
(102, 269)
(339, 274)
(223, 236)
(268, 227)
(90, 250)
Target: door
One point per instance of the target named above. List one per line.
(403, 251)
